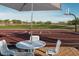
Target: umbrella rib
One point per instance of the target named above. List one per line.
(22, 6)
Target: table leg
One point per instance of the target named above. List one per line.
(31, 52)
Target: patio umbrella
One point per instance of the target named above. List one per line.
(33, 7)
(36, 6)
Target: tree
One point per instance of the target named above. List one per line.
(39, 22)
(6, 21)
(16, 21)
(1, 21)
(72, 22)
(48, 22)
(33, 22)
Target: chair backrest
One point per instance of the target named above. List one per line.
(58, 46)
(3, 46)
(34, 38)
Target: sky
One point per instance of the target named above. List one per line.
(53, 16)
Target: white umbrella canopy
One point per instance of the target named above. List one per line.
(36, 6)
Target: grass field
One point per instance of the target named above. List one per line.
(40, 26)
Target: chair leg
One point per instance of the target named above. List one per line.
(47, 54)
(31, 51)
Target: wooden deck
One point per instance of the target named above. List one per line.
(67, 37)
(64, 51)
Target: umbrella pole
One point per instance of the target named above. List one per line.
(31, 18)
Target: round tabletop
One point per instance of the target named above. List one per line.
(27, 44)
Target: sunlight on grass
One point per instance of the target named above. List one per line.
(40, 26)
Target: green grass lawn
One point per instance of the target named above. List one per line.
(41, 26)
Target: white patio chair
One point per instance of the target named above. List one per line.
(4, 49)
(34, 38)
(55, 50)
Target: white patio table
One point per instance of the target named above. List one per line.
(30, 45)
